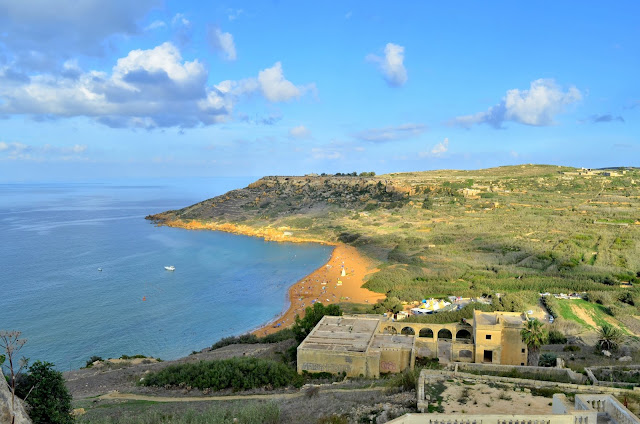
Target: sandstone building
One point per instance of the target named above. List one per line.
(369, 345)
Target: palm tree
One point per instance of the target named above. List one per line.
(534, 335)
(609, 337)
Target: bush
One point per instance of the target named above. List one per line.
(571, 348)
(556, 337)
(303, 326)
(46, 394)
(547, 360)
(284, 334)
(451, 316)
(234, 373)
(93, 359)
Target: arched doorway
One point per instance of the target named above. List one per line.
(463, 335)
(444, 334)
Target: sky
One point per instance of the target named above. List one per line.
(149, 88)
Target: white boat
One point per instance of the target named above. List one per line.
(170, 268)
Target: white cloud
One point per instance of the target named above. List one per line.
(536, 106)
(275, 87)
(21, 151)
(233, 14)
(180, 19)
(300, 132)
(380, 135)
(392, 65)
(437, 150)
(155, 25)
(145, 89)
(320, 153)
(440, 148)
(222, 42)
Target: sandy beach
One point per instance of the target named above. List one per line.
(328, 286)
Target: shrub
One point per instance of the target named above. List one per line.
(547, 360)
(93, 359)
(45, 392)
(303, 326)
(556, 337)
(571, 348)
(235, 373)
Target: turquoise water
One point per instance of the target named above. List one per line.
(54, 237)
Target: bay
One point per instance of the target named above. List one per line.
(55, 236)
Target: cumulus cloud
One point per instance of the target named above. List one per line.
(300, 132)
(146, 89)
(536, 106)
(381, 135)
(38, 29)
(222, 42)
(392, 64)
(437, 150)
(275, 87)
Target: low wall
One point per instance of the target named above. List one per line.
(463, 418)
(560, 372)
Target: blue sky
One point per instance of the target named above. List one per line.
(92, 89)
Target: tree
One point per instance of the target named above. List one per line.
(312, 316)
(10, 344)
(534, 335)
(44, 390)
(609, 338)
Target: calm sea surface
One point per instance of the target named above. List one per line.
(54, 237)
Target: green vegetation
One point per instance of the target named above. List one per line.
(609, 338)
(451, 316)
(530, 229)
(249, 413)
(527, 375)
(235, 373)
(284, 334)
(534, 335)
(46, 394)
(303, 326)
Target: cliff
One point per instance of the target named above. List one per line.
(281, 196)
(5, 405)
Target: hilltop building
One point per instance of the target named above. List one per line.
(369, 345)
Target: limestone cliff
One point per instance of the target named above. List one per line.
(5, 405)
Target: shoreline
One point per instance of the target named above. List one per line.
(326, 284)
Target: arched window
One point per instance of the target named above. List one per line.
(408, 331)
(463, 334)
(444, 334)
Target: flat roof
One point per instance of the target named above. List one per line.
(349, 334)
(395, 341)
(492, 318)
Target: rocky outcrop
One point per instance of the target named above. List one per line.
(276, 196)
(6, 413)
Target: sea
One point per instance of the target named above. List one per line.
(82, 272)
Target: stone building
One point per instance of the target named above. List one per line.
(586, 409)
(369, 345)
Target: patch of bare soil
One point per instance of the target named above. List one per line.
(484, 399)
(583, 315)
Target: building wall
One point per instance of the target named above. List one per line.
(355, 364)
(514, 351)
(394, 360)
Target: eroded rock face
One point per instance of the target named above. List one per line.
(5, 405)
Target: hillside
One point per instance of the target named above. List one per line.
(520, 229)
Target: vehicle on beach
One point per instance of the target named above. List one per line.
(170, 268)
